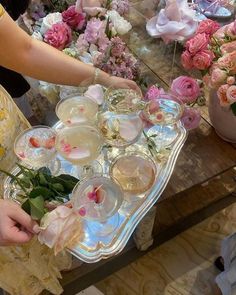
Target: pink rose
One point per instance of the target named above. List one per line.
(231, 94)
(229, 30)
(186, 60)
(191, 118)
(185, 88)
(91, 7)
(222, 95)
(228, 47)
(59, 36)
(153, 93)
(60, 228)
(228, 62)
(218, 76)
(76, 20)
(203, 59)
(208, 27)
(230, 80)
(197, 43)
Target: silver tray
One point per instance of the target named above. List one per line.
(93, 248)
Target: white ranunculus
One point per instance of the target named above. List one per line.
(49, 20)
(37, 36)
(121, 25)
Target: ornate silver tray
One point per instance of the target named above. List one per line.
(94, 248)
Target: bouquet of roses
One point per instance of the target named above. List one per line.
(213, 51)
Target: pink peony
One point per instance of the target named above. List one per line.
(59, 36)
(91, 7)
(186, 60)
(203, 59)
(218, 76)
(191, 118)
(76, 20)
(186, 89)
(222, 95)
(197, 43)
(208, 27)
(60, 228)
(153, 93)
(231, 94)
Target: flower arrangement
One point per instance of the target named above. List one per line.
(90, 30)
(213, 51)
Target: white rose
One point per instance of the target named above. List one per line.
(49, 20)
(121, 25)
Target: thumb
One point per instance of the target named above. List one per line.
(21, 217)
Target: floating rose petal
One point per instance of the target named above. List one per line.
(82, 211)
(65, 147)
(129, 130)
(34, 142)
(79, 153)
(21, 155)
(50, 143)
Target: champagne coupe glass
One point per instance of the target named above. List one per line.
(98, 199)
(123, 101)
(35, 147)
(164, 113)
(80, 145)
(76, 109)
(134, 171)
(120, 130)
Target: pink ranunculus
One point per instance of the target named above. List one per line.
(228, 47)
(191, 118)
(218, 77)
(222, 95)
(203, 59)
(185, 88)
(186, 60)
(74, 19)
(153, 93)
(208, 27)
(60, 228)
(231, 94)
(59, 36)
(91, 7)
(198, 43)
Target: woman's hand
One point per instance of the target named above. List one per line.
(16, 226)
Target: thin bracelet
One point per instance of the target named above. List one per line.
(96, 75)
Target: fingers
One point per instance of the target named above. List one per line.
(22, 218)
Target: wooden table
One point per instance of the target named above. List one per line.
(204, 179)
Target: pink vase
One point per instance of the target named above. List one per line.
(222, 118)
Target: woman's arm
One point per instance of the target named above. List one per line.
(23, 54)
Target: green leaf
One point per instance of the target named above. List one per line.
(37, 207)
(41, 191)
(45, 170)
(26, 206)
(233, 108)
(42, 179)
(58, 187)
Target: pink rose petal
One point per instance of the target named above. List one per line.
(79, 153)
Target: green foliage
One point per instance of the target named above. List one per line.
(40, 186)
(233, 108)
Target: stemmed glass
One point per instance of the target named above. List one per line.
(35, 147)
(98, 199)
(164, 113)
(76, 109)
(80, 145)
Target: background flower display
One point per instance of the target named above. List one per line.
(213, 51)
(89, 31)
